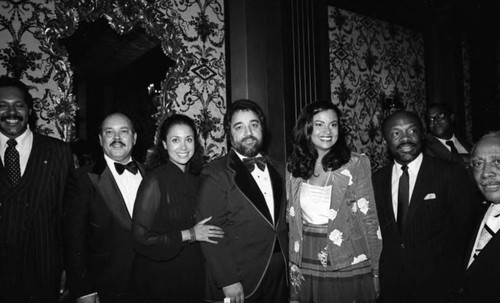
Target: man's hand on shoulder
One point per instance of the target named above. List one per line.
(234, 292)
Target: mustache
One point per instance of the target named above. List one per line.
(406, 143)
(117, 142)
(489, 182)
(11, 116)
(249, 137)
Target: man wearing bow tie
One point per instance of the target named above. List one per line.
(97, 218)
(244, 194)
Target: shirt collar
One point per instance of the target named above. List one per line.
(413, 166)
(453, 139)
(21, 140)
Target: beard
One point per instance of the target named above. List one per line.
(405, 157)
(249, 146)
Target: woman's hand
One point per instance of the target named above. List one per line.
(205, 232)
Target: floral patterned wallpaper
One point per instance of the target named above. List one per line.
(191, 29)
(23, 56)
(375, 68)
(202, 94)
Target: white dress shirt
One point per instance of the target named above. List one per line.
(413, 168)
(128, 183)
(460, 148)
(263, 180)
(24, 145)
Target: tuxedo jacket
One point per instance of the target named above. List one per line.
(422, 263)
(30, 218)
(230, 195)
(434, 147)
(97, 225)
(479, 281)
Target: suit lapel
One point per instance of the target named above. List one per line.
(494, 241)
(339, 189)
(247, 185)
(387, 198)
(104, 182)
(488, 254)
(277, 186)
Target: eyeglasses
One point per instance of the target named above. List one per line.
(437, 118)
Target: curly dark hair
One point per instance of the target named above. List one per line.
(244, 105)
(159, 154)
(302, 160)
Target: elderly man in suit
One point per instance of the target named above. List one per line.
(480, 280)
(423, 205)
(98, 216)
(441, 142)
(244, 194)
(32, 179)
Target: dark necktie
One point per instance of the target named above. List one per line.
(403, 196)
(12, 162)
(131, 167)
(251, 162)
(452, 147)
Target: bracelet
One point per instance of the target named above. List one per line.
(192, 235)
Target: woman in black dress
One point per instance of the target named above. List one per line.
(169, 266)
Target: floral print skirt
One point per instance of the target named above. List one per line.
(323, 285)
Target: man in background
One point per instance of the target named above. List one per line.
(441, 142)
(97, 219)
(32, 180)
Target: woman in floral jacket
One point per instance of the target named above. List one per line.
(335, 239)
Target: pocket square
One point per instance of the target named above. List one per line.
(430, 196)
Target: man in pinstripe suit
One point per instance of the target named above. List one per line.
(32, 180)
(425, 223)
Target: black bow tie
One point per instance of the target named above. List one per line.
(251, 162)
(131, 167)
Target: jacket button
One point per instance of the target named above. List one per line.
(403, 246)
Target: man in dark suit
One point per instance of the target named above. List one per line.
(32, 179)
(423, 205)
(97, 218)
(480, 281)
(245, 196)
(441, 141)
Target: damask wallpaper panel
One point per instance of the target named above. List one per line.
(375, 68)
(202, 94)
(195, 28)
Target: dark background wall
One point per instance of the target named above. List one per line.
(285, 72)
